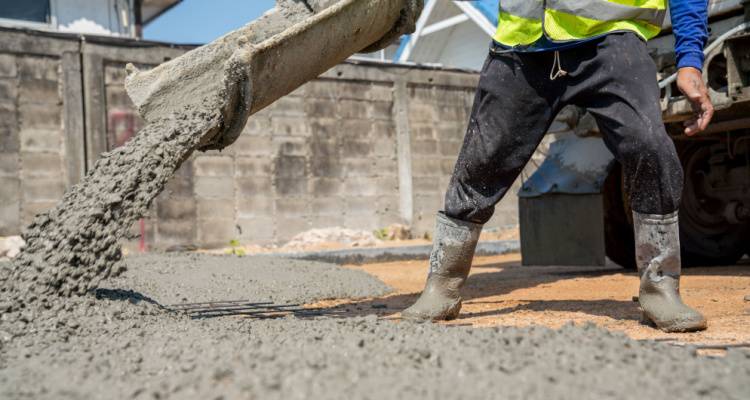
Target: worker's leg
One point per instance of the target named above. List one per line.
(514, 105)
(618, 86)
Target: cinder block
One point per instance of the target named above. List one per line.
(360, 187)
(41, 165)
(291, 146)
(428, 204)
(422, 131)
(421, 92)
(381, 110)
(257, 230)
(215, 208)
(290, 126)
(180, 186)
(320, 88)
(384, 147)
(176, 232)
(30, 209)
(288, 107)
(214, 187)
(385, 166)
(449, 148)
(114, 74)
(251, 145)
(42, 189)
(259, 126)
(353, 109)
(216, 232)
(254, 206)
(447, 165)
(426, 166)
(383, 129)
(386, 185)
(10, 206)
(424, 147)
(325, 128)
(291, 186)
(8, 90)
(327, 205)
(320, 108)
(326, 221)
(356, 128)
(216, 166)
(452, 113)
(356, 148)
(356, 205)
(9, 138)
(287, 228)
(8, 67)
(254, 186)
(40, 140)
(117, 97)
(253, 166)
(381, 92)
(325, 187)
(389, 204)
(287, 207)
(451, 131)
(426, 185)
(33, 67)
(367, 222)
(39, 91)
(290, 167)
(358, 167)
(40, 116)
(180, 208)
(10, 165)
(422, 112)
(353, 90)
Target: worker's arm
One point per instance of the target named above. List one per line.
(690, 28)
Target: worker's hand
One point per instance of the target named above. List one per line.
(690, 83)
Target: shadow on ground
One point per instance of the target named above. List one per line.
(511, 277)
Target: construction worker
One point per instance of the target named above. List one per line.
(592, 54)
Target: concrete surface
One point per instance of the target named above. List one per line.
(122, 345)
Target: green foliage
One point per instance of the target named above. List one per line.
(381, 234)
(236, 248)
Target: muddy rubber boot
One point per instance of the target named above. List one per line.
(657, 252)
(450, 261)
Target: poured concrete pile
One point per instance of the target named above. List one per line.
(200, 100)
(123, 345)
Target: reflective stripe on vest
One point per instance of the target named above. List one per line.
(522, 22)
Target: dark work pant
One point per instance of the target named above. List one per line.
(516, 101)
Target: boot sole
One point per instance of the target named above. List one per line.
(675, 327)
(449, 315)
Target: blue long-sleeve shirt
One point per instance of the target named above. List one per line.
(689, 25)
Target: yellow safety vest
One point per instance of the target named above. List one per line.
(523, 22)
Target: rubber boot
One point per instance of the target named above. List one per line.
(657, 252)
(450, 261)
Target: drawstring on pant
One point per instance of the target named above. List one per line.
(557, 70)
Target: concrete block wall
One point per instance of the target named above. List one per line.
(364, 146)
(32, 151)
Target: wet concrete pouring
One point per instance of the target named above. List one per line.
(123, 341)
(78, 321)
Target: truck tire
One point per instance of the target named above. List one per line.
(701, 245)
(706, 237)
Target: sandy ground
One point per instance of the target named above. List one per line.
(501, 292)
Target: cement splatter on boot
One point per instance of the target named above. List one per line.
(450, 262)
(658, 256)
